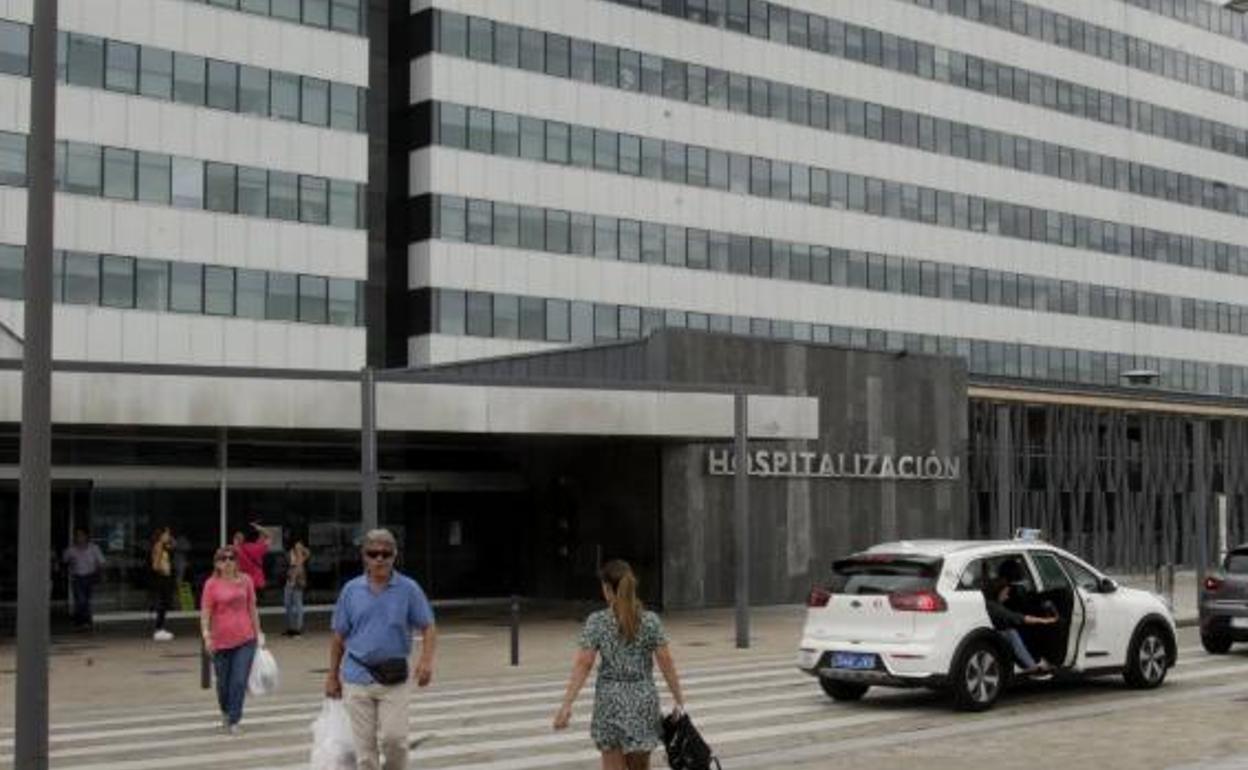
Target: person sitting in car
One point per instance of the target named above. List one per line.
(1007, 622)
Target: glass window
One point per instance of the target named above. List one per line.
(557, 328)
(82, 278)
(558, 56)
(14, 48)
(313, 200)
(532, 139)
(11, 279)
(557, 142)
(253, 90)
(582, 234)
(283, 195)
(506, 45)
(532, 318)
(506, 134)
(316, 13)
(344, 107)
(218, 290)
(119, 173)
(315, 107)
(156, 72)
(606, 237)
(346, 15)
(249, 291)
(284, 96)
(583, 61)
(12, 159)
(219, 187)
(85, 61)
(222, 85)
(188, 183)
(189, 78)
(532, 50)
(282, 300)
(506, 225)
(122, 73)
(480, 314)
(151, 284)
(452, 218)
(582, 322)
(506, 316)
(480, 222)
(253, 192)
(83, 168)
(342, 302)
(186, 287)
(558, 232)
(313, 299)
(480, 40)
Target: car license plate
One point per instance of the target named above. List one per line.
(853, 660)
(807, 658)
(1239, 622)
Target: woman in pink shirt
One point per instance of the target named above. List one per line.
(231, 627)
(251, 555)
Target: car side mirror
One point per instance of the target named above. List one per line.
(1106, 586)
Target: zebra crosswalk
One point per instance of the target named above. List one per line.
(742, 706)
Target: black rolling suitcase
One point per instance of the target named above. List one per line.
(685, 748)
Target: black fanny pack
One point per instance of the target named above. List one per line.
(388, 671)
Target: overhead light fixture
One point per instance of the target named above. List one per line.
(1239, 6)
(1144, 376)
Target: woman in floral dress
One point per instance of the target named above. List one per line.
(626, 724)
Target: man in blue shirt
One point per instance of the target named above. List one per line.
(368, 656)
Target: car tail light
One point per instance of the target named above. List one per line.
(917, 601)
(1213, 584)
(818, 597)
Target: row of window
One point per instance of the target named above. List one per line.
(612, 67)
(508, 316)
(507, 45)
(562, 232)
(549, 141)
(144, 70)
(790, 26)
(338, 15)
(1199, 13)
(151, 177)
(128, 283)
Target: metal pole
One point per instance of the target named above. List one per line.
(515, 630)
(223, 491)
(1200, 494)
(368, 450)
(205, 666)
(1222, 531)
(30, 747)
(741, 521)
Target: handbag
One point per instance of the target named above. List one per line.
(686, 750)
(389, 671)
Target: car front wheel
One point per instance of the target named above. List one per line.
(978, 677)
(1216, 643)
(843, 691)
(1146, 658)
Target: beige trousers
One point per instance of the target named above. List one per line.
(378, 716)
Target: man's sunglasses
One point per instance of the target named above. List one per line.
(379, 554)
(227, 557)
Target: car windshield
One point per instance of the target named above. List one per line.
(1237, 563)
(883, 574)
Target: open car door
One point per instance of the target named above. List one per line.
(1060, 645)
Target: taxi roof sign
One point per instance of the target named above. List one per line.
(1028, 534)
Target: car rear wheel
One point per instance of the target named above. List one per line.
(1147, 658)
(979, 677)
(1216, 643)
(843, 691)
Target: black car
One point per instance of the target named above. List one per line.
(1224, 603)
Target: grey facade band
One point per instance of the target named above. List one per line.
(780, 463)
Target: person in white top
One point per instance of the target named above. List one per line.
(85, 562)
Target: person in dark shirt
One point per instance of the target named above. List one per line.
(1007, 622)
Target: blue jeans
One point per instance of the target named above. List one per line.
(82, 586)
(294, 608)
(232, 667)
(1021, 653)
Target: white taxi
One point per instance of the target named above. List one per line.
(914, 614)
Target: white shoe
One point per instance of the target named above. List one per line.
(235, 730)
(162, 636)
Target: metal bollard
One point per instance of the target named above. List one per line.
(515, 630)
(205, 666)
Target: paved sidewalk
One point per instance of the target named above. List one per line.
(121, 666)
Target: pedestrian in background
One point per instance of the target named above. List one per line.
(251, 554)
(85, 562)
(161, 563)
(369, 651)
(627, 723)
(296, 582)
(230, 624)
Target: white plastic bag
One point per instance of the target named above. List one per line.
(332, 746)
(262, 678)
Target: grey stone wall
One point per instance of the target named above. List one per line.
(868, 402)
